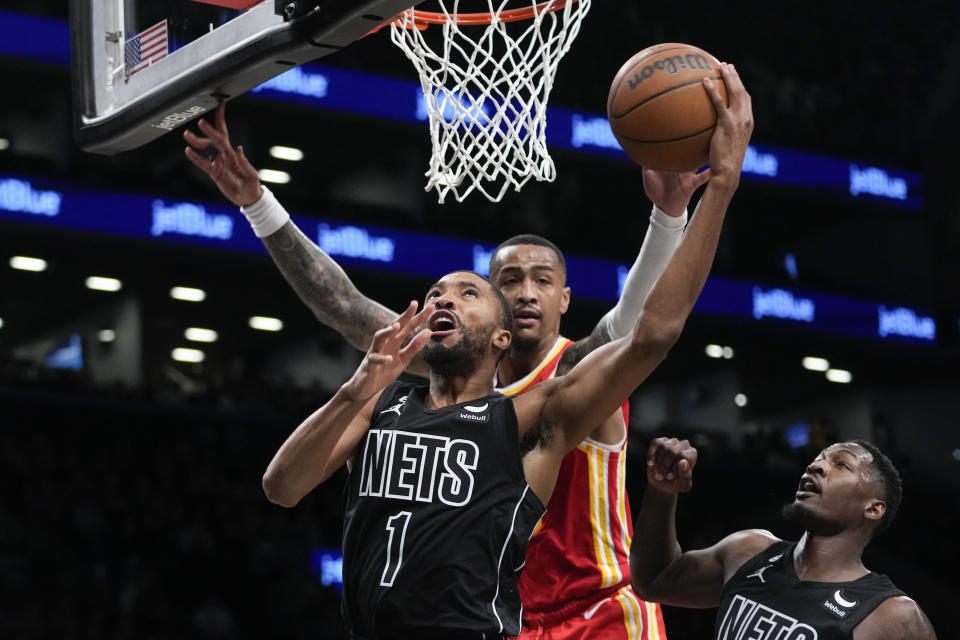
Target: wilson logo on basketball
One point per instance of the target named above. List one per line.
(671, 65)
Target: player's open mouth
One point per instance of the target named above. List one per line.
(442, 323)
(807, 486)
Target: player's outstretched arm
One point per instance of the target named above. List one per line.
(315, 277)
(324, 441)
(571, 405)
(659, 569)
(670, 193)
(897, 618)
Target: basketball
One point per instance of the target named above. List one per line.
(658, 109)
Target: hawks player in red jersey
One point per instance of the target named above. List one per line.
(576, 581)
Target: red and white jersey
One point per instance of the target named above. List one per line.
(579, 553)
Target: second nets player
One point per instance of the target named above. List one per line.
(814, 589)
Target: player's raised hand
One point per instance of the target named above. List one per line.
(734, 126)
(670, 464)
(229, 169)
(388, 356)
(671, 191)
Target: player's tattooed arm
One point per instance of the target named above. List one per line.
(327, 291)
(898, 618)
(319, 281)
(582, 348)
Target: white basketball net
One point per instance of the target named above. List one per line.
(485, 92)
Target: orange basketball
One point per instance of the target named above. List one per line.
(659, 110)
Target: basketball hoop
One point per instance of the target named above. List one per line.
(485, 90)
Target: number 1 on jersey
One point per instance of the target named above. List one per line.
(397, 528)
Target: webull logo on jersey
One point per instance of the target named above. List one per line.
(404, 465)
(474, 413)
(839, 605)
(748, 619)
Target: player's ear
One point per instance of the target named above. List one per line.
(875, 509)
(564, 300)
(501, 339)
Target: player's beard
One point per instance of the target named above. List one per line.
(463, 358)
(525, 344)
(799, 513)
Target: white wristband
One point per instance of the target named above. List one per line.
(663, 237)
(266, 215)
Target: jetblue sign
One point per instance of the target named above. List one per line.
(53, 203)
(19, 195)
(298, 82)
(877, 182)
(354, 242)
(901, 321)
(780, 303)
(189, 219)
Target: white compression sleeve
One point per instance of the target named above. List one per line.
(266, 215)
(662, 239)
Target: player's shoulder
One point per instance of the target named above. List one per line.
(741, 546)
(758, 539)
(896, 618)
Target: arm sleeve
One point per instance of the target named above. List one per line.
(267, 215)
(662, 239)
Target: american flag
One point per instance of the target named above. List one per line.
(145, 48)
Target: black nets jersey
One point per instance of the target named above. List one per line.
(765, 599)
(437, 520)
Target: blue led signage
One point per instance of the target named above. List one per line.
(327, 564)
(19, 195)
(421, 254)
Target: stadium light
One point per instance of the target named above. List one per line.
(4, 144)
(813, 363)
(188, 293)
(714, 351)
(196, 334)
(727, 353)
(274, 176)
(100, 283)
(106, 335)
(25, 263)
(740, 400)
(181, 354)
(841, 376)
(264, 323)
(286, 153)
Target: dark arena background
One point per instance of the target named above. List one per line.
(130, 501)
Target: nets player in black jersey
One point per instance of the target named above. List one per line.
(813, 589)
(448, 481)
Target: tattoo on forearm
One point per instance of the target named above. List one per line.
(325, 288)
(578, 351)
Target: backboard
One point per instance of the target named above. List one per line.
(142, 68)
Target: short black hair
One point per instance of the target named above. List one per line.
(529, 238)
(506, 313)
(889, 479)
